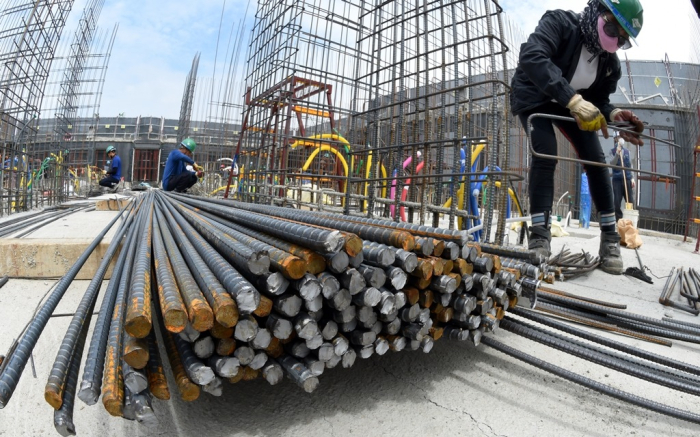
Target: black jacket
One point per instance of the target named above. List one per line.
(548, 62)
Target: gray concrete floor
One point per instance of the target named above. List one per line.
(457, 389)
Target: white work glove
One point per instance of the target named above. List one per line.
(632, 183)
(587, 115)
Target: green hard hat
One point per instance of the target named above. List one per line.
(189, 144)
(629, 13)
(111, 149)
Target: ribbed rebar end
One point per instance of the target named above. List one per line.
(138, 326)
(406, 241)
(202, 319)
(463, 237)
(188, 391)
(87, 394)
(63, 424)
(310, 384)
(250, 374)
(113, 407)
(352, 245)
(248, 300)
(259, 263)
(53, 398)
(227, 316)
(334, 242)
(294, 268)
(273, 375)
(160, 390)
(135, 358)
(175, 320)
(316, 264)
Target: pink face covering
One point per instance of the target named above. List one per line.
(607, 43)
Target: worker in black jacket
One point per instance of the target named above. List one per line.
(568, 67)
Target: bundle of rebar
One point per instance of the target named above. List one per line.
(687, 282)
(233, 291)
(658, 369)
(572, 265)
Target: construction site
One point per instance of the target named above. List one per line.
(353, 257)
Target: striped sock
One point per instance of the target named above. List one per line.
(607, 222)
(542, 219)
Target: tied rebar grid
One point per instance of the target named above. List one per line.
(75, 69)
(341, 121)
(71, 107)
(31, 31)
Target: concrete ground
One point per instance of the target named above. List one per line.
(457, 389)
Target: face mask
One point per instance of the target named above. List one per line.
(607, 43)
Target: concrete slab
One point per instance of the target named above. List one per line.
(456, 390)
(50, 251)
(111, 204)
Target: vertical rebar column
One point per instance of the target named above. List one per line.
(505, 162)
(426, 107)
(376, 101)
(492, 130)
(442, 127)
(402, 128)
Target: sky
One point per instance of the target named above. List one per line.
(154, 48)
(157, 40)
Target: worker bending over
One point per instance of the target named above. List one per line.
(568, 67)
(177, 176)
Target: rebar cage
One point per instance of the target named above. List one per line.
(379, 108)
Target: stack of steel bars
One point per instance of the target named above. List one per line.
(234, 291)
(21, 226)
(688, 284)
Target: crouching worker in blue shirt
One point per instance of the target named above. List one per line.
(176, 176)
(113, 167)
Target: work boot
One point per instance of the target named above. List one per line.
(539, 241)
(610, 258)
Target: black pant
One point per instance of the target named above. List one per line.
(109, 181)
(619, 194)
(183, 181)
(587, 147)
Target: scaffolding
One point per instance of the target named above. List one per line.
(28, 39)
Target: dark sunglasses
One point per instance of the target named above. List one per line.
(610, 28)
